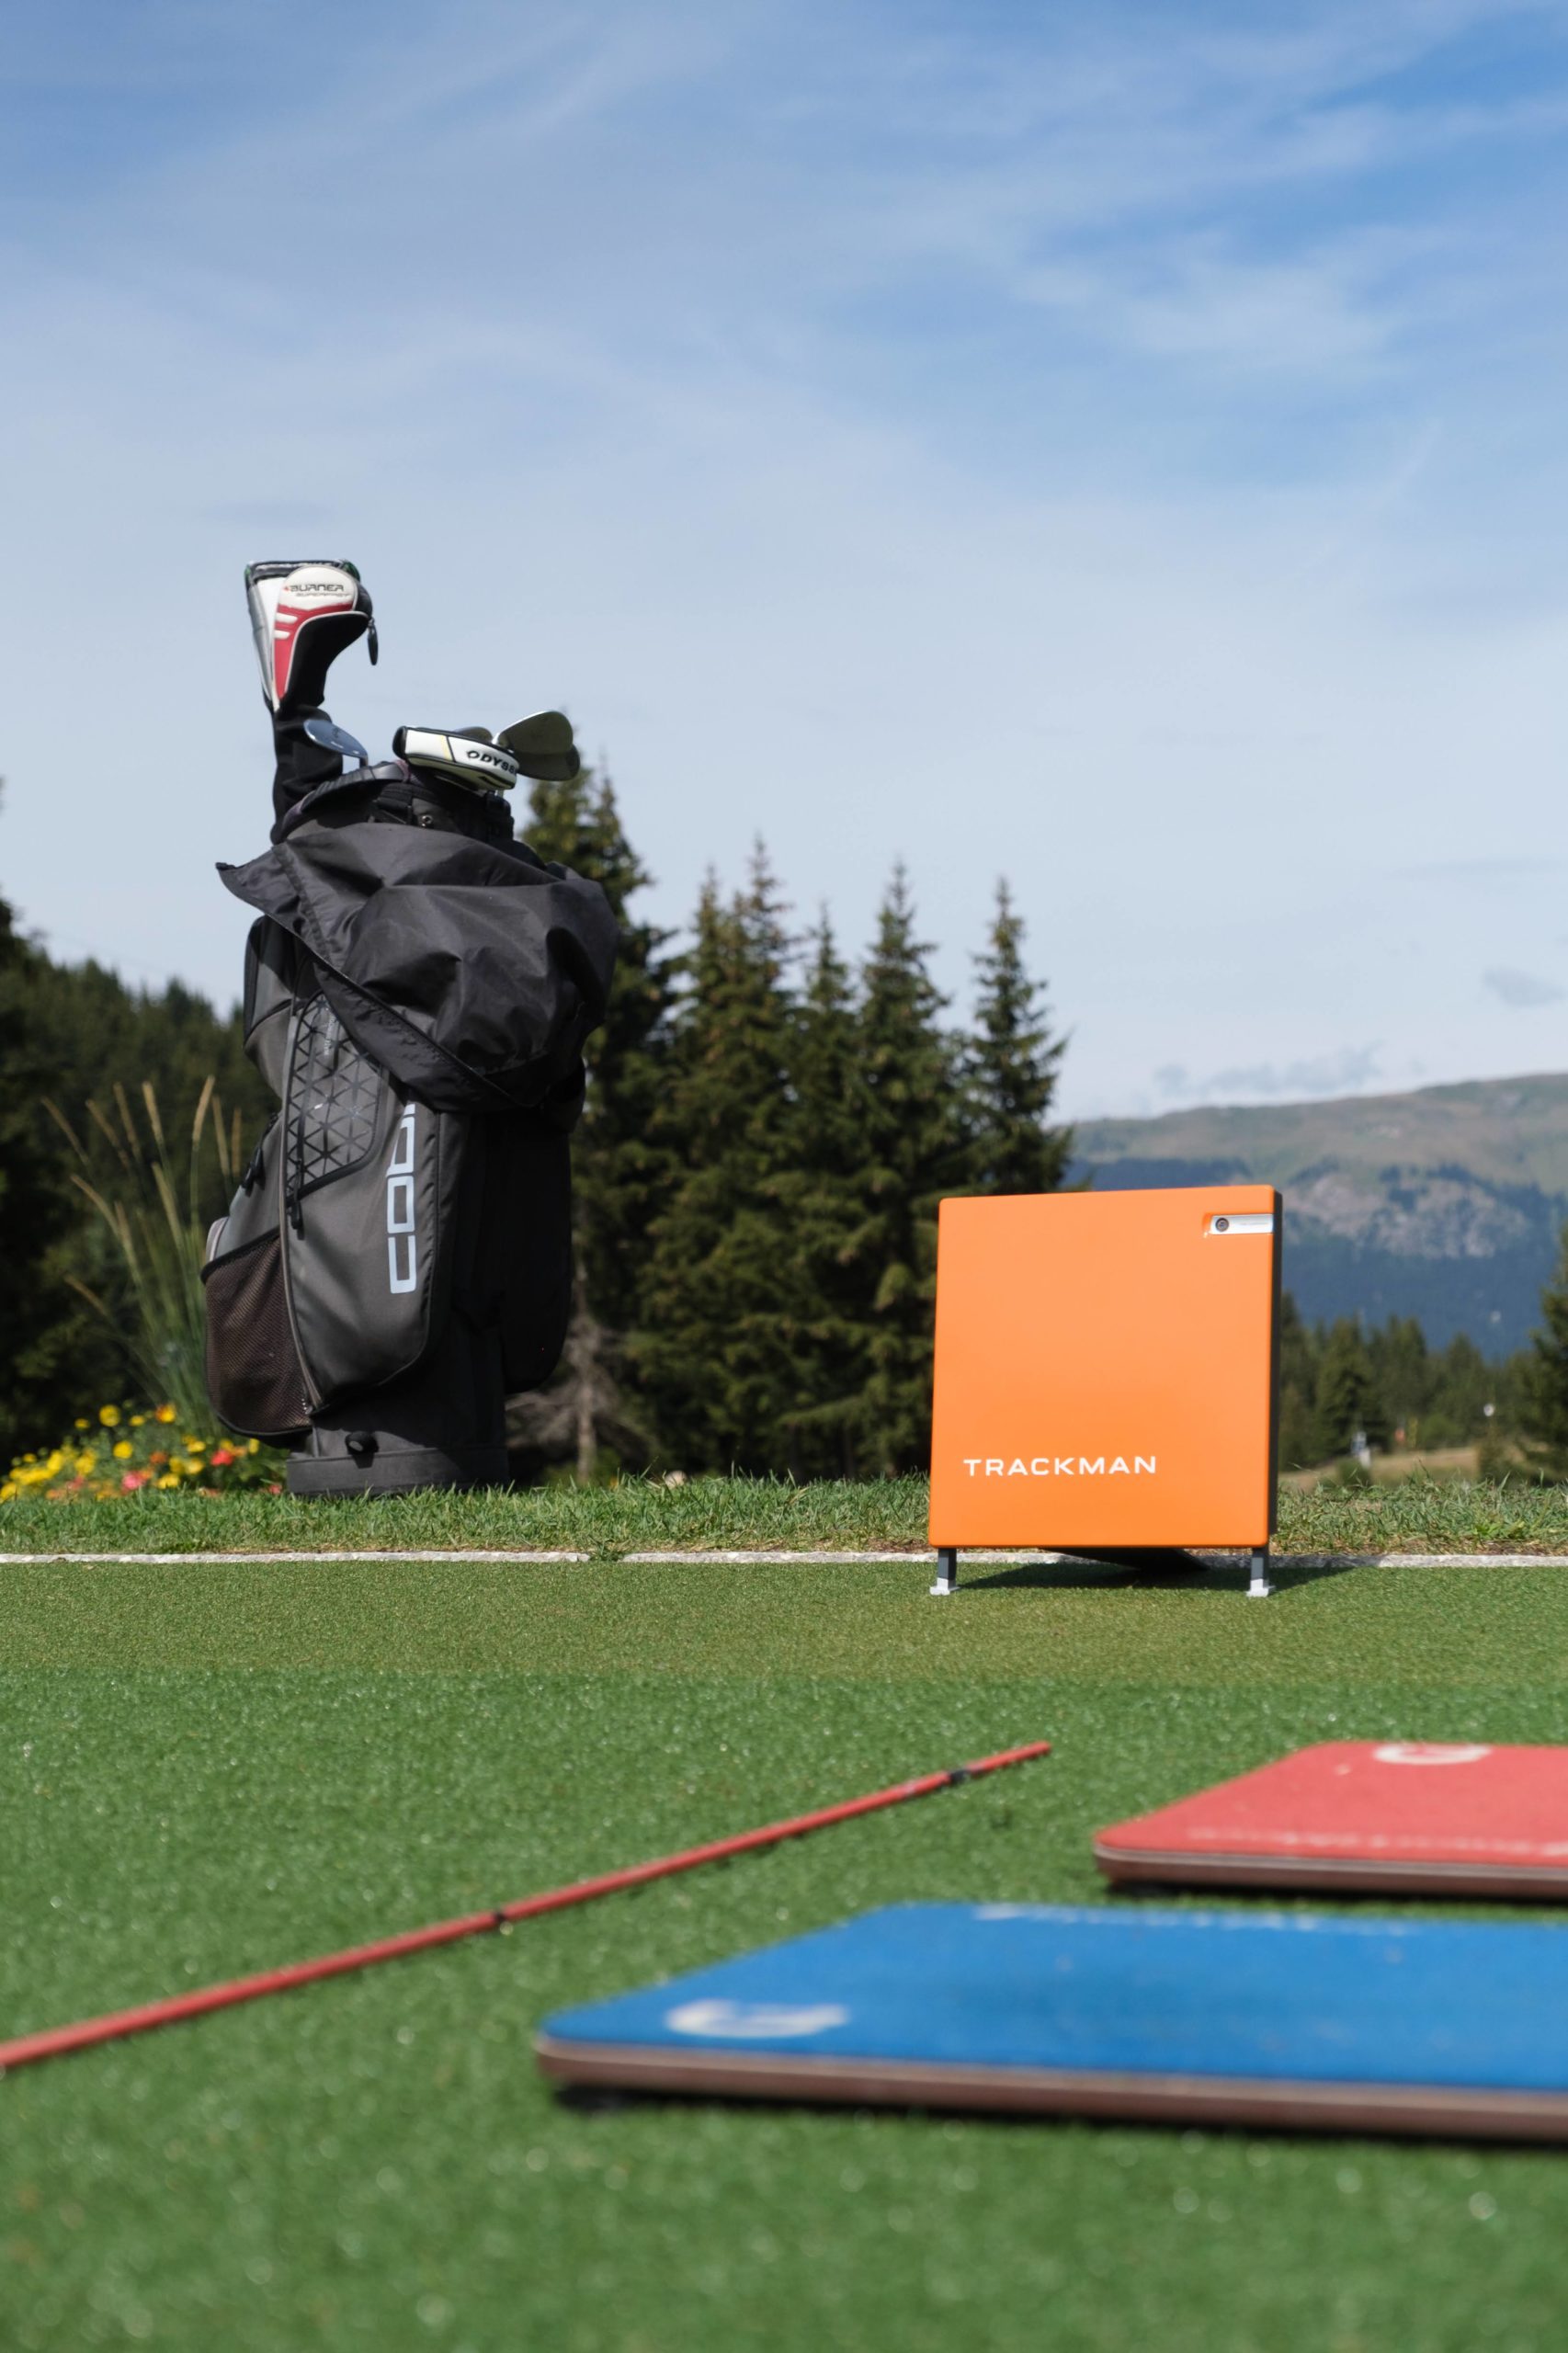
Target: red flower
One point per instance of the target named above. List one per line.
(223, 1455)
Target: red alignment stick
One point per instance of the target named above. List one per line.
(53, 2042)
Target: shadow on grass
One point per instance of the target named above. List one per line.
(1094, 1572)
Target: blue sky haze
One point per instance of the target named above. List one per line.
(1119, 447)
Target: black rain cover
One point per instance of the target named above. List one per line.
(469, 970)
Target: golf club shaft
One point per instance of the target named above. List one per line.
(53, 2042)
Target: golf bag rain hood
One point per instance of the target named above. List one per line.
(398, 1260)
(468, 969)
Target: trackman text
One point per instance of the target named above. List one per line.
(1061, 1466)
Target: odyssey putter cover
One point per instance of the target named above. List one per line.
(1242, 2017)
(1410, 1817)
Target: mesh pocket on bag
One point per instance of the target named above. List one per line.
(253, 1369)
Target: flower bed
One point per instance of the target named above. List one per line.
(125, 1450)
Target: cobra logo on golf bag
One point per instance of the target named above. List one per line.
(402, 1241)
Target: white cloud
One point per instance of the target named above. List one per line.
(1354, 1070)
(1065, 458)
(1521, 988)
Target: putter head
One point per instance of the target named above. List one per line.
(459, 754)
(543, 747)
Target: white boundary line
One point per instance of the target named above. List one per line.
(758, 1560)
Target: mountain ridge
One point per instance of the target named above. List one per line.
(1443, 1202)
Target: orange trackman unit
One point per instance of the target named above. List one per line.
(1105, 1373)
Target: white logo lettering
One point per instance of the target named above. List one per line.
(402, 1241)
(1422, 1752)
(1061, 1466)
(754, 2020)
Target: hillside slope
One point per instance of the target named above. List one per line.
(1445, 1204)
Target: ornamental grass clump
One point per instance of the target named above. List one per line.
(123, 1451)
(150, 1208)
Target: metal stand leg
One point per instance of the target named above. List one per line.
(947, 1579)
(1260, 1588)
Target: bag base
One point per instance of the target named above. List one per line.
(388, 1467)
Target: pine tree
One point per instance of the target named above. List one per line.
(1461, 1384)
(1541, 1407)
(713, 1345)
(913, 1150)
(619, 1175)
(823, 1141)
(42, 1320)
(1402, 1369)
(1298, 1388)
(1347, 1398)
(1011, 1064)
(70, 1032)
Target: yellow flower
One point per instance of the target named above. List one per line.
(109, 1416)
(194, 1445)
(123, 1451)
(137, 1420)
(255, 1446)
(166, 1414)
(81, 1421)
(168, 1480)
(84, 1463)
(7, 1491)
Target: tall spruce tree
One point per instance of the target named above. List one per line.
(45, 1325)
(620, 1173)
(1347, 1398)
(1298, 1388)
(1011, 1063)
(70, 1032)
(913, 1149)
(827, 1303)
(1542, 1400)
(713, 1347)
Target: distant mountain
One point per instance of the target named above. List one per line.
(1445, 1204)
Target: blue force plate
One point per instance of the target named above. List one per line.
(1267, 2019)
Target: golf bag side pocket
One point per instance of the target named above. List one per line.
(253, 1375)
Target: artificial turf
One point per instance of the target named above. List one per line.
(207, 1769)
(1418, 1514)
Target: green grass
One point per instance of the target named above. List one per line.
(1418, 1516)
(209, 1770)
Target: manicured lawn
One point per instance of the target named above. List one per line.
(204, 1770)
(1418, 1516)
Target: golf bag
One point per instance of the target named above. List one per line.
(397, 1259)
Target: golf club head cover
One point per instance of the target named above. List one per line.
(303, 614)
(543, 747)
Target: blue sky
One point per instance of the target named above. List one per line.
(1119, 447)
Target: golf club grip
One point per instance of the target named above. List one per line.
(53, 2042)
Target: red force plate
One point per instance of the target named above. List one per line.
(1403, 1815)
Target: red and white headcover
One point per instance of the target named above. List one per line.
(284, 602)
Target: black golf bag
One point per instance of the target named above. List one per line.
(397, 1260)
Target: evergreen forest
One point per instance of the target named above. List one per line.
(770, 1124)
